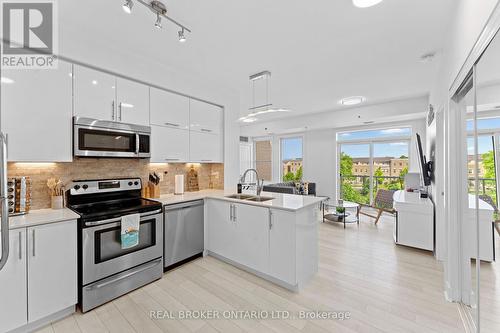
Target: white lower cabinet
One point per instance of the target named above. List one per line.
(282, 246)
(13, 288)
(40, 277)
(221, 229)
(259, 238)
(251, 236)
(52, 269)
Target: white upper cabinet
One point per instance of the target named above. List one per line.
(168, 109)
(94, 94)
(205, 147)
(169, 145)
(36, 114)
(205, 118)
(103, 96)
(132, 102)
(13, 289)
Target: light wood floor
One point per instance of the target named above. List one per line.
(386, 288)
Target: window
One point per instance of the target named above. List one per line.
(291, 159)
(263, 159)
(381, 160)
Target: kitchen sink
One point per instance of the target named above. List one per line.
(239, 196)
(260, 199)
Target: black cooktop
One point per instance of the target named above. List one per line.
(103, 210)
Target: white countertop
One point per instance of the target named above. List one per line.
(403, 197)
(41, 216)
(289, 202)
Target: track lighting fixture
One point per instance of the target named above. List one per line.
(158, 21)
(158, 8)
(127, 6)
(182, 38)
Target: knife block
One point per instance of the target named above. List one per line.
(154, 191)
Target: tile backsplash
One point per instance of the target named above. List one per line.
(209, 175)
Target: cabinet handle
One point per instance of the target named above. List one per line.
(270, 219)
(172, 124)
(120, 112)
(206, 160)
(20, 246)
(34, 244)
(206, 130)
(230, 212)
(234, 214)
(172, 159)
(113, 110)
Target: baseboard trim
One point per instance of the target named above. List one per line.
(31, 327)
(294, 288)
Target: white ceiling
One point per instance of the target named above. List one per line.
(318, 51)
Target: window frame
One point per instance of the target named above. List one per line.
(371, 143)
(254, 155)
(281, 138)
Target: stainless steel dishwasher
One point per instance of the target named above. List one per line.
(184, 232)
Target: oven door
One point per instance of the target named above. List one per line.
(102, 253)
(100, 142)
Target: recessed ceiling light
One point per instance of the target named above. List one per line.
(7, 80)
(94, 82)
(365, 3)
(353, 100)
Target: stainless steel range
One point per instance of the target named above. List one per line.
(107, 271)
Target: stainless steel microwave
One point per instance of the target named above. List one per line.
(102, 138)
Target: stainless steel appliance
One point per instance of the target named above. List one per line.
(101, 138)
(183, 232)
(4, 210)
(107, 271)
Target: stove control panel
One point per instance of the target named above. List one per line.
(105, 185)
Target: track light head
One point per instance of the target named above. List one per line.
(158, 21)
(182, 38)
(127, 6)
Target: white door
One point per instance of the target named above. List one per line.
(36, 114)
(94, 94)
(52, 269)
(168, 109)
(245, 157)
(132, 100)
(205, 147)
(252, 236)
(169, 145)
(13, 298)
(221, 230)
(205, 118)
(282, 246)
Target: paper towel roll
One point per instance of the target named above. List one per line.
(179, 184)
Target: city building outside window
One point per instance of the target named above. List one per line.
(291, 167)
(372, 160)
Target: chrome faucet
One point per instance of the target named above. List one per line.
(259, 185)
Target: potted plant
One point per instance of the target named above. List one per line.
(340, 213)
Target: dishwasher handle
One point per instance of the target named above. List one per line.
(189, 204)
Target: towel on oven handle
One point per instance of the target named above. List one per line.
(130, 230)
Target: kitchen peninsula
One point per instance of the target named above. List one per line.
(275, 238)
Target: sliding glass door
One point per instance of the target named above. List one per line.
(370, 161)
